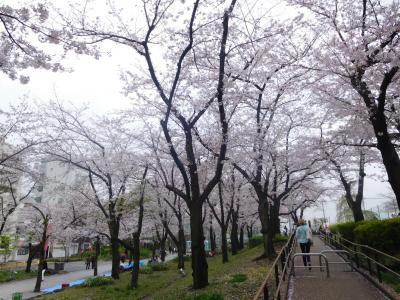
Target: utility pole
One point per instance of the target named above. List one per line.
(323, 211)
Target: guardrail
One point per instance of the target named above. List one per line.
(320, 255)
(279, 269)
(361, 255)
(347, 262)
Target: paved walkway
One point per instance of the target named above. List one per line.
(26, 286)
(341, 285)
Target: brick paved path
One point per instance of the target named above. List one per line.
(341, 285)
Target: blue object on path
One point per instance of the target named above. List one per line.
(52, 289)
(78, 282)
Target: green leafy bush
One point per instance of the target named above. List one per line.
(98, 281)
(255, 241)
(345, 230)
(238, 278)
(380, 234)
(159, 267)
(383, 235)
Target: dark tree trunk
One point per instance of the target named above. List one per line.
(199, 261)
(249, 229)
(41, 258)
(376, 110)
(275, 221)
(356, 207)
(163, 253)
(96, 256)
(136, 259)
(212, 239)
(113, 226)
(357, 212)
(181, 249)
(33, 250)
(266, 229)
(241, 238)
(224, 245)
(136, 234)
(234, 234)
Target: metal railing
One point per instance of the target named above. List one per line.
(372, 260)
(278, 273)
(320, 255)
(346, 262)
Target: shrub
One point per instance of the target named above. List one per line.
(159, 267)
(238, 278)
(255, 241)
(345, 230)
(382, 235)
(98, 281)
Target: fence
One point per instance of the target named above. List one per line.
(370, 262)
(278, 274)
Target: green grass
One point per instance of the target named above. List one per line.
(6, 276)
(247, 273)
(392, 280)
(238, 278)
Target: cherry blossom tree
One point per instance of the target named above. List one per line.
(356, 58)
(171, 89)
(100, 152)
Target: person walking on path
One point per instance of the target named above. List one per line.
(303, 236)
(87, 263)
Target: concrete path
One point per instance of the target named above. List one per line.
(26, 286)
(342, 284)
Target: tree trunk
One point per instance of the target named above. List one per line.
(249, 229)
(266, 229)
(241, 238)
(136, 259)
(162, 248)
(224, 245)
(199, 261)
(377, 117)
(356, 207)
(275, 221)
(392, 166)
(181, 249)
(41, 259)
(212, 239)
(114, 249)
(357, 212)
(234, 234)
(31, 255)
(96, 256)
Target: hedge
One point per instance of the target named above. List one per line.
(383, 235)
